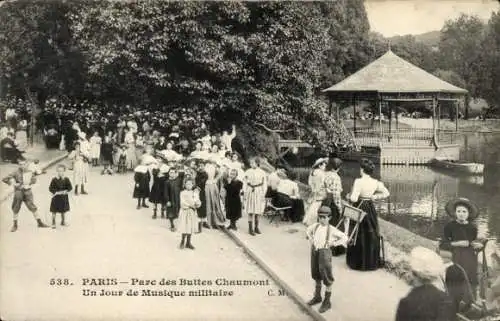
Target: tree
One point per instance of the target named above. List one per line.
(258, 60)
(458, 49)
(36, 53)
(489, 82)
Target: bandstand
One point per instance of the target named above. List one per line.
(391, 80)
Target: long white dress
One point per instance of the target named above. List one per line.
(95, 147)
(80, 166)
(255, 191)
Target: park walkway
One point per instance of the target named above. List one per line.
(108, 237)
(355, 296)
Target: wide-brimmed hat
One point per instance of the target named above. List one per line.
(324, 210)
(452, 205)
(426, 264)
(320, 161)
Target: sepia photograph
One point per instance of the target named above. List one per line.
(250, 160)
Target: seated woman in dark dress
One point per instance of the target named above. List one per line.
(425, 301)
(460, 237)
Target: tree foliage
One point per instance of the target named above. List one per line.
(36, 52)
(260, 60)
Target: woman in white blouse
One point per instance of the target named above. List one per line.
(364, 254)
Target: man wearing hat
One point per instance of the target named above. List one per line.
(22, 180)
(323, 236)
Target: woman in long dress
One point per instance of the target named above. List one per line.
(215, 212)
(131, 155)
(316, 182)
(254, 195)
(233, 187)
(364, 254)
(460, 236)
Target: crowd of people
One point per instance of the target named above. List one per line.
(196, 180)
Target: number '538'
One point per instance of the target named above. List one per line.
(60, 282)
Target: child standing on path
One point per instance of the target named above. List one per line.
(141, 188)
(322, 236)
(188, 217)
(255, 195)
(157, 192)
(95, 148)
(60, 186)
(172, 196)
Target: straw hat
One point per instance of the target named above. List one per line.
(426, 264)
(452, 205)
(148, 160)
(320, 161)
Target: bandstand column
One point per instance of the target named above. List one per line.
(354, 105)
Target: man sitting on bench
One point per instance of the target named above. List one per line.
(9, 150)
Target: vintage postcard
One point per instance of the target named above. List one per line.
(210, 160)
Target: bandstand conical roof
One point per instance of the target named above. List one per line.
(392, 74)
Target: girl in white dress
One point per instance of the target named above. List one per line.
(188, 216)
(254, 195)
(80, 167)
(95, 148)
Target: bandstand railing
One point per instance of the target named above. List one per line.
(405, 136)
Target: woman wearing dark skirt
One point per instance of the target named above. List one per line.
(364, 253)
(460, 236)
(60, 186)
(233, 203)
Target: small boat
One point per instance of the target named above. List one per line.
(457, 165)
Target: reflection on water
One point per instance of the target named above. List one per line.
(419, 193)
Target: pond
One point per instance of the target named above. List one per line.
(419, 193)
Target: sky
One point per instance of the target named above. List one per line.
(402, 17)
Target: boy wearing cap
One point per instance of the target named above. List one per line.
(323, 236)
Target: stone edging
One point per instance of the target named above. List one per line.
(290, 291)
(48, 164)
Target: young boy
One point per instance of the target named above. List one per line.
(322, 236)
(22, 181)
